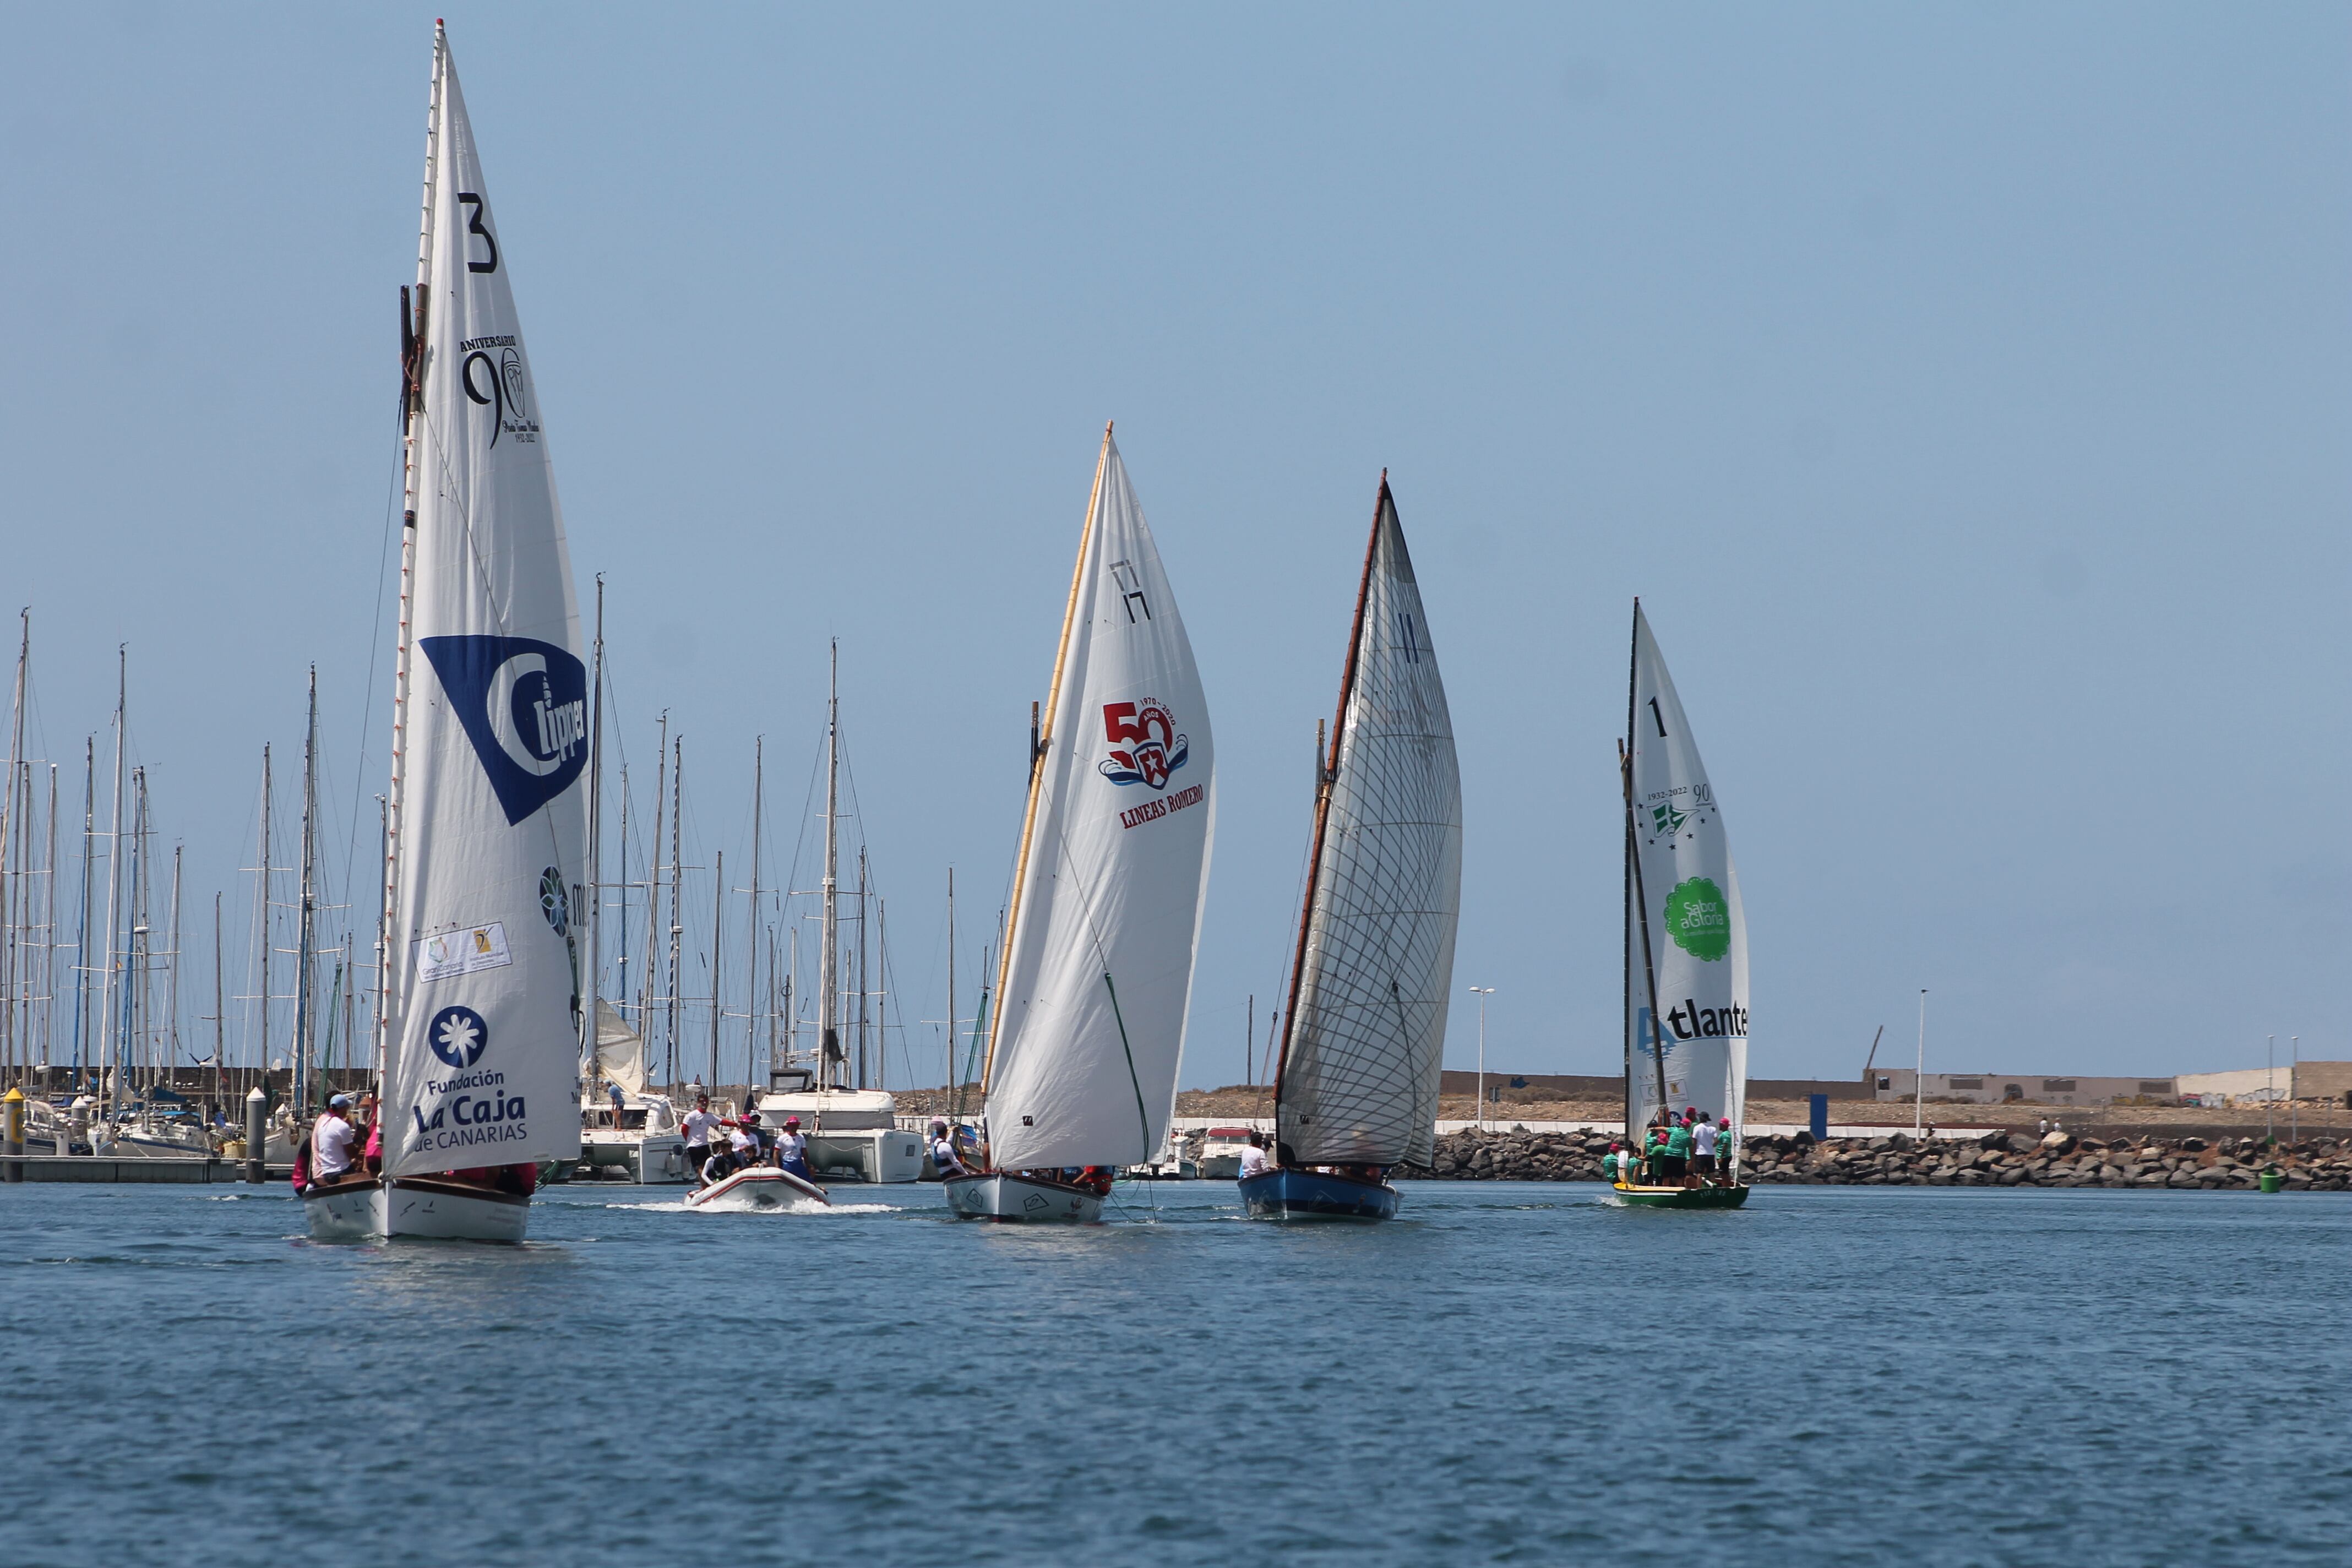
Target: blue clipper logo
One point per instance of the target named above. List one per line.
(458, 1036)
(524, 705)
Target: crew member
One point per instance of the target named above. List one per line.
(944, 1154)
(697, 1126)
(1703, 1151)
(1727, 1154)
(331, 1142)
(1676, 1161)
(1608, 1164)
(620, 1103)
(1253, 1158)
(791, 1151)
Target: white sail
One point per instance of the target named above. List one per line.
(1367, 1037)
(620, 1050)
(1106, 913)
(490, 838)
(1696, 944)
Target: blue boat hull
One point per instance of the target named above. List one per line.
(1311, 1194)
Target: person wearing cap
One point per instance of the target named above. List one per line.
(1703, 1151)
(331, 1142)
(1677, 1160)
(1608, 1164)
(791, 1151)
(743, 1145)
(1727, 1154)
(698, 1125)
(944, 1154)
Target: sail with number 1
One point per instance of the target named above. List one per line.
(1685, 955)
(1097, 975)
(1364, 1038)
(481, 1037)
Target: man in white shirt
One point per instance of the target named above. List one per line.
(1702, 1150)
(1253, 1160)
(331, 1142)
(697, 1127)
(944, 1154)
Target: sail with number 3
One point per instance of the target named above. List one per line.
(481, 1035)
(1364, 1038)
(1685, 935)
(1097, 975)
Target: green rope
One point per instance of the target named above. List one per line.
(1127, 1051)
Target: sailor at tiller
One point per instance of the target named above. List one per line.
(331, 1141)
(944, 1154)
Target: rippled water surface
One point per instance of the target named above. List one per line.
(1510, 1374)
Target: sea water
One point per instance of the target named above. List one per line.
(1508, 1373)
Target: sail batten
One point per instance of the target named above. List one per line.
(488, 847)
(1097, 969)
(1373, 976)
(1686, 934)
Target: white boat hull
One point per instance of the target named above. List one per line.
(997, 1196)
(654, 1161)
(866, 1154)
(415, 1207)
(760, 1187)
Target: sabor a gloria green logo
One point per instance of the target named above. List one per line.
(1698, 918)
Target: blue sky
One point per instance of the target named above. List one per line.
(1962, 388)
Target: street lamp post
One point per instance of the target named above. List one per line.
(1919, 1072)
(1482, 991)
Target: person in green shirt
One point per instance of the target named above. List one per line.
(1609, 1164)
(1677, 1159)
(1653, 1159)
(1726, 1153)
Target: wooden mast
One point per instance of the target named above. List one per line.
(415, 322)
(1041, 740)
(1640, 898)
(1327, 771)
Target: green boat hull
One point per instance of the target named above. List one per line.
(1681, 1197)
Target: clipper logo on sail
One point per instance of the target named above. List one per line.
(1145, 746)
(524, 705)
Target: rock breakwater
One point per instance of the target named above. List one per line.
(1994, 1160)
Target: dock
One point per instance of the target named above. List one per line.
(98, 1168)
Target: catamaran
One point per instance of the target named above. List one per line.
(1364, 1033)
(480, 1038)
(1685, 940)
(1095, 978)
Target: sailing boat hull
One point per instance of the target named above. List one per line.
(415, 1207)
(1680, 1197)
(997, 1196)
(1316, 1194)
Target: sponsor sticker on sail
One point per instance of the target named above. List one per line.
(466, 952)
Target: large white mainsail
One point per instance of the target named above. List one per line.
(1366, 1036)
(1106, 912)
(489, 836)
(1687, 939)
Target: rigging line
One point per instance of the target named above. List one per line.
(1120, 1020)
(385, 552)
